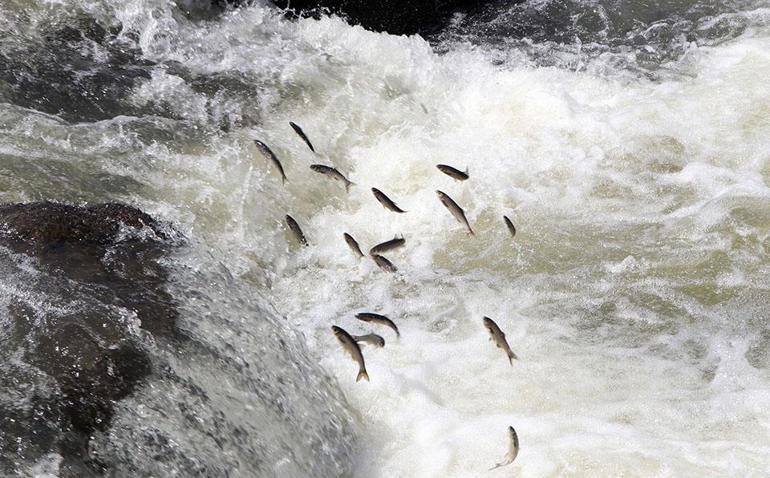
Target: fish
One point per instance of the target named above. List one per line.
(513, 449)
(302, 135)
(269, 154)
(378, 319)
(453, 172)
(510, 225)
(394, 243)
(332, 173)
(296, 230)
(371, 339)
(385, 201)
(384, 263)
(498, 337)
(350, 346)
(353, 245)
(456, 210)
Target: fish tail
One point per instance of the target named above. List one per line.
(362, 374)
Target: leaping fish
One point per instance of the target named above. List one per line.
(384, 263)
(454, 173)
(268, 153)
(386, 201)
(350, 346)
(353, 245)
(386, 246)
(513, 449)
(498, 337)
(296, 230)
(332, 173)
(378, 319)
(371, 339)
(302, 135)
(511, 227)
(456, 210)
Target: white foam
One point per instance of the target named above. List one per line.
(577, 158)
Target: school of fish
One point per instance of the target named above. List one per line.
(352, 343)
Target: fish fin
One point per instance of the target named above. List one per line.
(362, 374)
(466, 170)
(495, 467)
(510, 358)
(347, 186)
(283, 179)
(471, 231)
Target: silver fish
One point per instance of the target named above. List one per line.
(384, 263)
(498, 337)
(453, 172)
(371, 339)
(385, 201)
(513, 449)
(332, 173)
(353, 245)
(378, 319)
(456, 210)
(302, 135)
(268, 153)
(510, 225)
(386, 246)
(296, 230)
(350, 346)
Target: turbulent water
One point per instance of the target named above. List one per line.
(629, 142)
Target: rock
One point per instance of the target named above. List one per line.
(398, 17)
(69, 329)
(45, 227)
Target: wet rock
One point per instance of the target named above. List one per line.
(399, 17)
(45, 227)
(72, 326)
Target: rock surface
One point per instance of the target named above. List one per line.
(68, 327)
(399, 17)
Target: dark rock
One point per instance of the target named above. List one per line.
(69, 334)
(399, 17)
(46, 226)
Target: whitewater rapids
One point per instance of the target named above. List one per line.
(636, 292)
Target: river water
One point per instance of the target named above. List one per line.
(629, 142)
